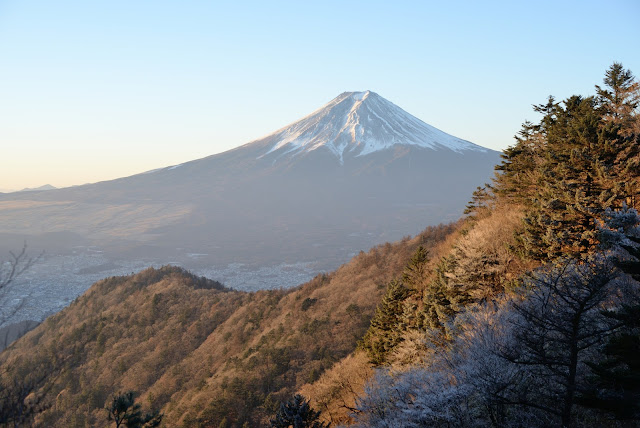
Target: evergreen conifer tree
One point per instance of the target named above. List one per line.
(415, 272)
(481, 198)
(385, 330)
(615, 384)
(297, 413)
(580, 158)
(619, 101)
(437, 306)
(125, 412)
(620, 97)
(568, 200)
(557, 325)
(614, 387)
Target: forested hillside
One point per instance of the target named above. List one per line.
(198, 352)
(531, 318)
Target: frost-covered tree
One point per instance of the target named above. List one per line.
(559, 326)
(418, 397)
(465, 385)
(521, 362)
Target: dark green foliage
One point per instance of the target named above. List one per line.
(627, 168)
(385, 331)
(126, 413)
(569, 196)
(619, 101)
(581, 158)
(415, 272)
(402, 309)
(620, 97)
(437, 300)
(425, 303)
(480, 199)
(615, 385)
(567, 173)
(297, 413)
(517, 176)
(307, 303)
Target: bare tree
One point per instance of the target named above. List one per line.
(18, 398)
(15, 267)
(10, 270)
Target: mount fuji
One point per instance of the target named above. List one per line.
(357, 172)
(360, 123)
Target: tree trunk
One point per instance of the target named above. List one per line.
(573, 366)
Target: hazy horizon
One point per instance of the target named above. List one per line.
(102, 91)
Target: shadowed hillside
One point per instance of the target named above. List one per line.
(197, 351)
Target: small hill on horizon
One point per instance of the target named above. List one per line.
(35, 189)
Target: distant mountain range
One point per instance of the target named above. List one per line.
(357, 172)
(30, 189)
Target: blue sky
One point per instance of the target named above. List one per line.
(94, 90)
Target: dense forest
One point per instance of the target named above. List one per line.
(524, 313)
(532, 318)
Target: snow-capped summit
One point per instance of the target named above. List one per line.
(360, 123)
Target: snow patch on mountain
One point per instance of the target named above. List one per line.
(360, 123)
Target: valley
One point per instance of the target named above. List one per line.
(272, 213)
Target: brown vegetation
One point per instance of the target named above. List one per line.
(198, 352)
